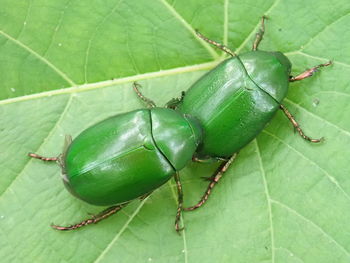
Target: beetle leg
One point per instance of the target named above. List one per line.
(46, 159)
(296, 125)
(259, 34)
(173, 103)
(143, 197)
(217, 44)
(214, 180)
(180, 203)
(309, 72)
(94, 218)
(209, 159)
(150, 103)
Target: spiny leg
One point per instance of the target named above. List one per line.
(94, 219)
(259, 34)
(209, 159)
(150, 103)
(296, 125)
(215, 179)
(309, 72)
(46, 159)
(173, 103)
(217, 44)
(180, 202)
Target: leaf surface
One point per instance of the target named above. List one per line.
(66, 65)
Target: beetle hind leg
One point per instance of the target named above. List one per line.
(93, 220)
(297, 127)
(213, 182)
(259, 35)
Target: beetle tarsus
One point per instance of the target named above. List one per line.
(174, 103)
(309, 72)
(214, 180)
(208, 178)
(45, 159)
(217, 44)
(93, 220)
(260, 34)
(297, 127)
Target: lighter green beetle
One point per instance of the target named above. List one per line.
(127, 156)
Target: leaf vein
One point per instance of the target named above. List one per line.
(108, 83)
(268, 199)
(121, 231)
(172, 10)
(87, 53)
(317, 117)
(291, 210)
(59, 22)
(37, 55)
(65, 109)
(25, 19)
(331, 178)
(323, 29)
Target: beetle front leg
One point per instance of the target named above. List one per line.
(259, 35)
(150, 103)
(94, 219)
(217, 44)
(296, 125)
(45, 159)
(209, 159)
(179, 202)
(214, 180)
(309, 72)
(173, 103)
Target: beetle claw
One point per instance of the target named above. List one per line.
(179, 229)
(208, 178)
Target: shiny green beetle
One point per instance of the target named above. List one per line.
(130, 155)
(127, 157)
(236, 100)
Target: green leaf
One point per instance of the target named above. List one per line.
(67, 64)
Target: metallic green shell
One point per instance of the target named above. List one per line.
(234, 101)
(127, 156)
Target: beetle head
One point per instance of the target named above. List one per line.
(284, 61)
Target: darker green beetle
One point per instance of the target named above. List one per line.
(127, 156)
(234, 101)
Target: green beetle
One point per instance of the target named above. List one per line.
(127, 156)
(235, 101)
(114, 162)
